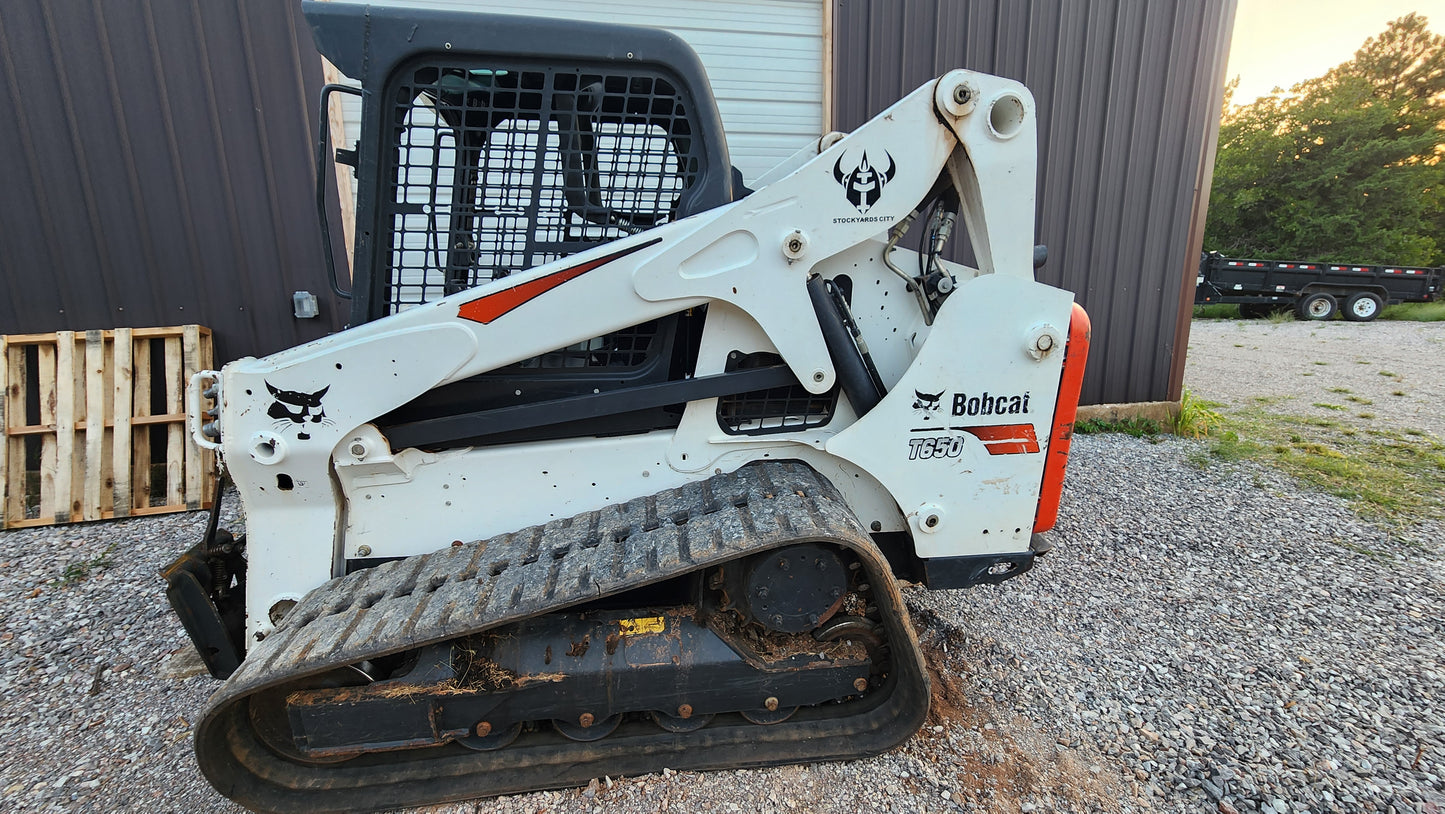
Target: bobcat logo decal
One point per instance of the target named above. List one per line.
(293, 408)
(864, 183)
(927, 403)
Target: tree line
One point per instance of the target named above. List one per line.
(1346, 167)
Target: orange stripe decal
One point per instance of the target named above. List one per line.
(1006, 439)
(490, 307)
(1076, 353)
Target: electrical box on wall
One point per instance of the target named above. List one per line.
(304, 305)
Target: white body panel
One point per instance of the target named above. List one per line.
(327, 488)
(983, 501)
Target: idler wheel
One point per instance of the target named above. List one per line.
(272, 724)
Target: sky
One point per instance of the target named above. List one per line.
(1281, 42)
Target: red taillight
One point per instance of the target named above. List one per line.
(1076, 353)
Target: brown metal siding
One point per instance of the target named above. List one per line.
(1128, 96)
(157, 169)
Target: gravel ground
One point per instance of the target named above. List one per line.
(1216, 639)
(1392, 371)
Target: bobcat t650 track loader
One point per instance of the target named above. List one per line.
(622, 462)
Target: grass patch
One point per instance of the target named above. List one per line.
(1394, 477)
(1135, 426)
(1322, 364)
(1224, 445)
(1221, 310)
(1397, 392)
(1216, 311)
(1228, 446)
(1415, 312)
(1359, 399)
(1339, 389)
(1391, 374)
(1328, 406)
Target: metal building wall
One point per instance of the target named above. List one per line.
(1128, 95)
(156, 169)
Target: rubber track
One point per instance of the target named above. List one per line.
(470, 588)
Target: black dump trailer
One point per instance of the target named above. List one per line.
(1314, 290)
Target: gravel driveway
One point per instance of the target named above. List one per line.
(1215, 639)
(1393, 371)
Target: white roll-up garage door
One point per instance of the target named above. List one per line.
(764, 59)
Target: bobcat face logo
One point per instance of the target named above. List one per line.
(293, 408)
(927, 403)
(864, 184)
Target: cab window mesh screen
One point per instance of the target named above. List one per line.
(498, 169)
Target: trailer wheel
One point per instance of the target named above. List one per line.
(1363, 307)
(1316, 306)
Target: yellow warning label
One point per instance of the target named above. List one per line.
(640, 626)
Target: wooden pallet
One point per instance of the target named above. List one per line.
(94, 425)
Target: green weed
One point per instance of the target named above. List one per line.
(1197, 417)
(80, 570)
(1327, 406)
